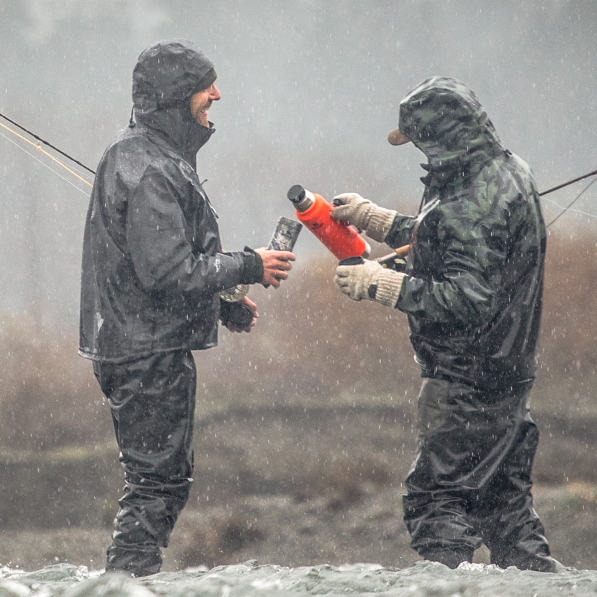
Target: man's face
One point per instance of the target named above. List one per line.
(201, 103)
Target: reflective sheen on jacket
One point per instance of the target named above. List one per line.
(152, 261)
(474, 291)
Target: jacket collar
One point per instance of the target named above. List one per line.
(177, 128)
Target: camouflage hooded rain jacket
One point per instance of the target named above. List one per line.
(475, 269)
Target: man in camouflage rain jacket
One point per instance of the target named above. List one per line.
(472, 290)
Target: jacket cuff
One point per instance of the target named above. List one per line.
(252, 267)
(388, 284)
(380, 223)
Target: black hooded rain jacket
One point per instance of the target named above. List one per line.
(152, 260)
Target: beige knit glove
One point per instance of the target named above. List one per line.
(365, 215)
(370, 281)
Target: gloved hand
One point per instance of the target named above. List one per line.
(365, 215)
(370, 281)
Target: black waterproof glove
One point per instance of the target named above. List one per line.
(239, 315)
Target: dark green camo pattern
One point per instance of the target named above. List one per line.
(473, 295)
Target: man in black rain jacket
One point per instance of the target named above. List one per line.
(472, 290)
(153, 268)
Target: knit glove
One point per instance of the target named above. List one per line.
(363, 214)
(370, 281)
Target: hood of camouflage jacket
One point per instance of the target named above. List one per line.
(445, 120)
(165, 77)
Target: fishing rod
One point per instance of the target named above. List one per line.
(66, 155)
(564, 210)
(44, 142)
(565, 184)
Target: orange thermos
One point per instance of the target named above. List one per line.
(340, 238)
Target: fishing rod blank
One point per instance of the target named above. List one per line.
(48, 144)
(556, 188)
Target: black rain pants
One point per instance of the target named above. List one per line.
(470, 482)
(153, 404)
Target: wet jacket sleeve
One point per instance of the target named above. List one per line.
(161, 253)
(401, 231)
(472, 261)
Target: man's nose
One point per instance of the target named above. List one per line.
(215, 95)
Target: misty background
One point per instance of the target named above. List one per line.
(305, 428)
(310, 90)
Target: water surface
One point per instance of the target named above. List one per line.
(424, 579)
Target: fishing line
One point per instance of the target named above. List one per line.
(564, 210)
(40, 148)
(44, 142)
(47, 166)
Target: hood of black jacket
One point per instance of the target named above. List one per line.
(165, 77)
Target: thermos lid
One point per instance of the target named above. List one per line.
(296, 193)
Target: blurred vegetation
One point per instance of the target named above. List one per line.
(311, 346)
(47, 399)
(319, 397)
